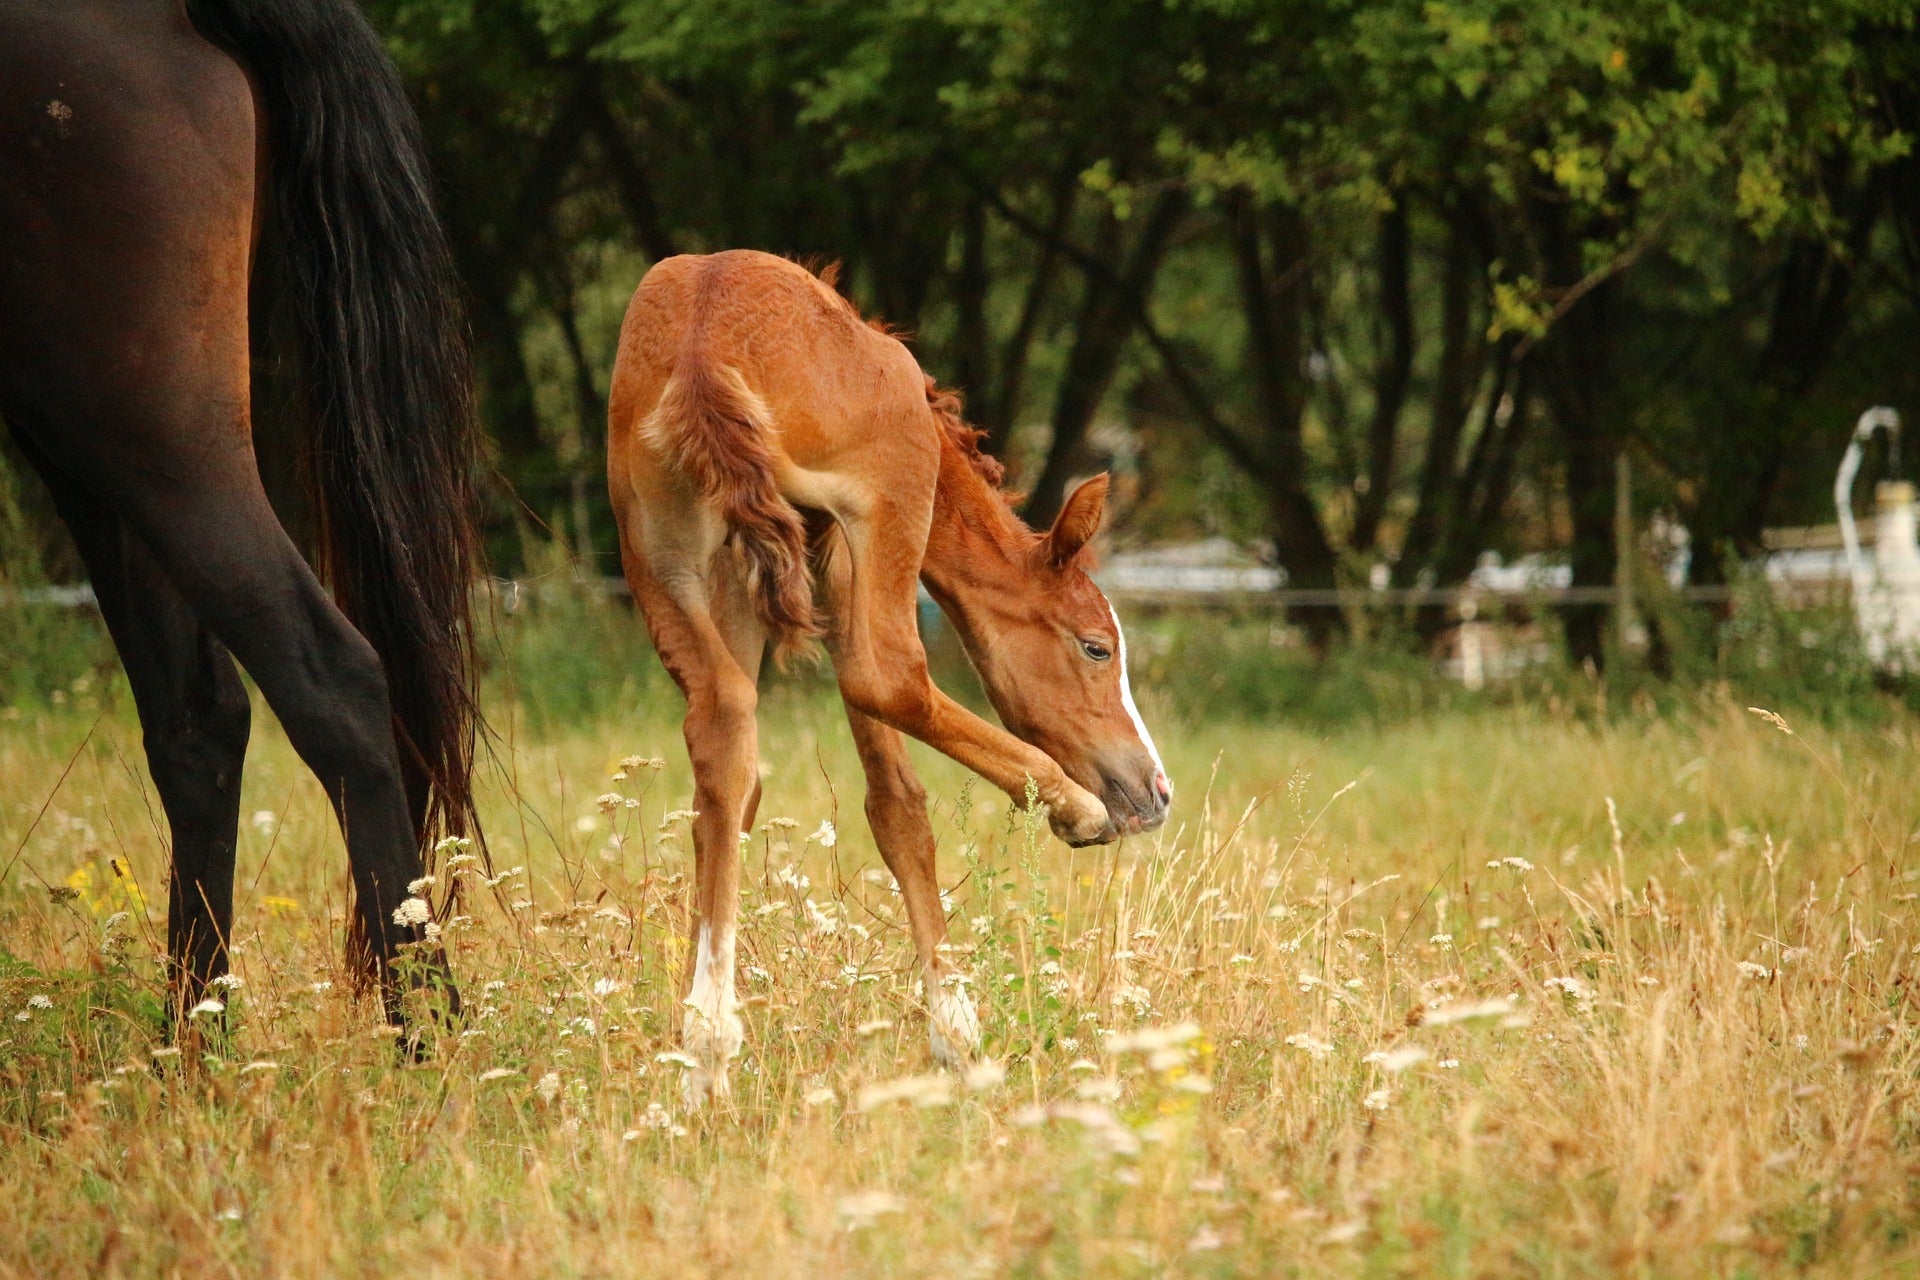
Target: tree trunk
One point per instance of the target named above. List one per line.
(1576, 369)
(631, 181)
(1745, 464)
(1452, 402)
(1393, 371)
(972, 349)
(1271, 267)
(1107, 318)
(999, 414)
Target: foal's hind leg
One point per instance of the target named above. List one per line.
(195, 717)
(709, 639)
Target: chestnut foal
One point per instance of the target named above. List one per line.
(761, 434)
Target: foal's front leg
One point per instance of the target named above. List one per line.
(873, 571)
(897, 812)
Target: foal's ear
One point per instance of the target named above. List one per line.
(1078, 521)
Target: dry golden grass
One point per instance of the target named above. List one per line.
(1495, 994)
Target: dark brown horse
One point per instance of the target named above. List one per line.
(145, 156)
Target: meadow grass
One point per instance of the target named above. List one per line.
(1494, 992)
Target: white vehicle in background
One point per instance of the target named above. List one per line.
(1886, 581)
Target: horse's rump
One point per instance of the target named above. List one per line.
(715, 428)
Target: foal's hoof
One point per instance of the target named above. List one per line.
(712, 1040)
(953, 1030)
(1082, 834)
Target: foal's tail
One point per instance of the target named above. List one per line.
(715, 428)
(385, 359)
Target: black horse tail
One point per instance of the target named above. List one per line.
(385, 364)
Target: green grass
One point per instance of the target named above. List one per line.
(1645, 1104)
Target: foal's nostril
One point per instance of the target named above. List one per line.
(1162, 787)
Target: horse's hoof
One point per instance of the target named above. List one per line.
(953, 1030)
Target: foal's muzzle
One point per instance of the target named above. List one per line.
(1137, 801)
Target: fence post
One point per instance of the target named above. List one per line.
(1622, 552)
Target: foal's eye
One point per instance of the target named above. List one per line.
(1095, 650)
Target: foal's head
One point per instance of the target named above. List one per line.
(1054, 663)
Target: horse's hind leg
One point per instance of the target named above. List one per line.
(229, 556)
(195, 718)
(705, 630)
(194, 499)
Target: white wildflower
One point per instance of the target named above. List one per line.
(821, 921)
(1378, 1100)
(1398, 1058)
(986, 1074)
(920, 1091)
(825, 836)
(1152, 1039)
(548, 1086)
(1466, 1011)
(412, 911)
(864, 1208)
(1572, 987)
(660, 1119)
(418, 888)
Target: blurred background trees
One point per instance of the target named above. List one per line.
(1374, 285)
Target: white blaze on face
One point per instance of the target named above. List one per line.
(1126, 700)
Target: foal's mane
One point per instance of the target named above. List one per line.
(946, 406)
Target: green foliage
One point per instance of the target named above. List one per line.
(564, 652)
(1805, 662)
(1252, 669)
(52, 651)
